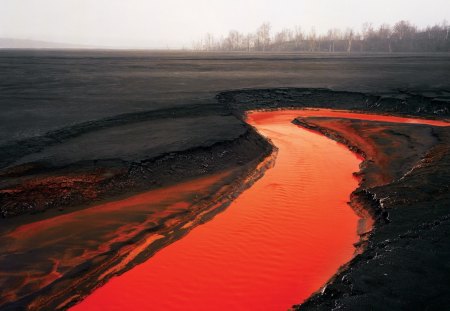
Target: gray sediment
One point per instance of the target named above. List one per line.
(404, 264)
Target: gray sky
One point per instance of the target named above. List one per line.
(174, 23)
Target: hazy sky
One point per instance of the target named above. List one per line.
(173, 23)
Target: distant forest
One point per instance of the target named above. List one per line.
(401, 37)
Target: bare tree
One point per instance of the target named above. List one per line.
(402, 37)
(385, 35)
(298, 36)
(289, 34)
(263, 35)
(208, 42)
(349, 34)
(404, 30)
(234, 41)
(366, 32)
(446, 28)
(249, 42)
(333, 35)
(312, 39)
(404, 33)
(282, 37)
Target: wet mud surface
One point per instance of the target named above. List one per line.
(79, 131)
(52, 259)
(60, 249)
(274, 245)
(52, 262)
(405, 188)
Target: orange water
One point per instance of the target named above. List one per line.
(291, 114)
(45, 250)
(275, 245)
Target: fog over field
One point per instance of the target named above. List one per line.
(178, 23)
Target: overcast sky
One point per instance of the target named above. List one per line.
(174, 23)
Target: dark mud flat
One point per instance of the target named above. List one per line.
(121, 159)
(83, 128)
(44, 91)
(78, 126)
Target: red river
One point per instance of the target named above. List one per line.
(275, 245)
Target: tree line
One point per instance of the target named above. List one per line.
(401, 37)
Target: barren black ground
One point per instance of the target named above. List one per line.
(142, 120)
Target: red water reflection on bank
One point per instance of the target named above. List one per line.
(275, 245)
(43, 251)
(262, 116)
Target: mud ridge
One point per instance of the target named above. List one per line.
(98, 180)
(402, 102)
(81, 280)
(12, 150)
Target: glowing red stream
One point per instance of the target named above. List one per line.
(273, 247)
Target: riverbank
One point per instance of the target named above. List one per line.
(70, 252)
(180, 162)
(416, 277)
(275, 244)
(405, 188)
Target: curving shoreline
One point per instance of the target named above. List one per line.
(330, 296)
(145, 223)
(276, 242)
(370, 179)
(409, 210)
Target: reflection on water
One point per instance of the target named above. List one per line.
(36, 254)
(276, 244)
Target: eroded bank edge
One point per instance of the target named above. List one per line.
(295, 98)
